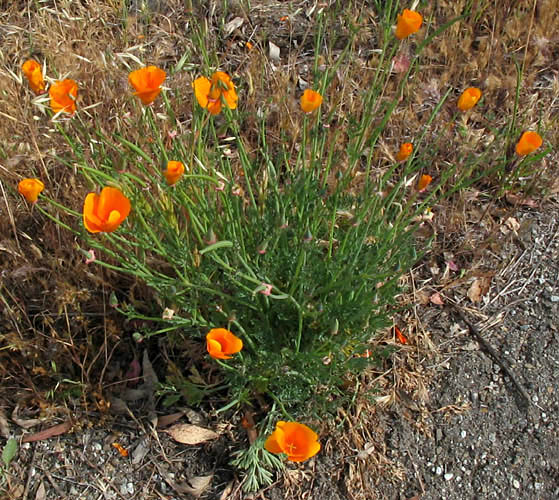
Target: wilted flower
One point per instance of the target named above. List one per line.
(221, 343)
(209, 93)
(32, 71)
(30, 189)
(175, 170)
(147, 82)
(469, 98)
(424, 181)
(297, 441)
(528, 143)
(310, 100)
(105, 212)
(406, 149)
(409, 22)
(63, 94)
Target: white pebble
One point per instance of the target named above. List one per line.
(448, 476)
(515, 483)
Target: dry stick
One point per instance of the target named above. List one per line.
(475, 333)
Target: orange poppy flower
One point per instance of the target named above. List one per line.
(209, 93)
(34, 74)
(147, 83)
(221, 343)
(469, 98)
(174, 171)
(406, 149)
(310, 100)
(63, 96)
(30, 189)
(528, 143)
(409, 22)
(424, 181)
(297, 441)
(105, 212)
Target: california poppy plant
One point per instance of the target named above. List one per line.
(105, 212)
(30, 189)
(174, 171)
(469, 98)
(296, 440)
(63, 95)
(424, 181)
(34, 74)
(528, 143)
(211, 93)
(310, 100)
(147, 83)
(221, 343)
(406, 149)
(409, 22)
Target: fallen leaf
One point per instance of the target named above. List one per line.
(228, 489)
(436, 299)
(55, 430)
(515, 199)
(4, 426)
(479, 288)
(197, 485)
(274, 51)
(41, 492)
(9, 451)
(139, 452)
(165, 420)
(512, 224)
(191, 434)
(232, 25)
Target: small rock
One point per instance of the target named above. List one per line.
(448, 476)
(554, 298)
(438, 471)
(538, 486)
(463, 434)
(438, 434)
(515, 483)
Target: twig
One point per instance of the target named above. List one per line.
(489, 349)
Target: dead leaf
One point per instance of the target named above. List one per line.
(55, 430)
(512, 224)
(232, 25)
(274, 51)
(165, 420)
(191, 434)
(4, 426)
(479, 288)
(228, 489)
(197, 485)
(41, 492)
(515, 199)
(436, 299)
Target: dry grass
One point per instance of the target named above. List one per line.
(54, 307)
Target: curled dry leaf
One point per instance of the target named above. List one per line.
(232, 25)
(436, 299)
(274, 51)
(197, 485)
(191, 434)
(479, 288)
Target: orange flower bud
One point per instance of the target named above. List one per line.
(63, 96)
(424, 181)
(30, 189)
(175, 170)
(147, 83)
(32, 71)
(209, 93)
(469, 98)
(408, 23)
(297, 441)
(406, 149)
(105, 212)
(221, 343)
(528, 143)
(310, 100)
